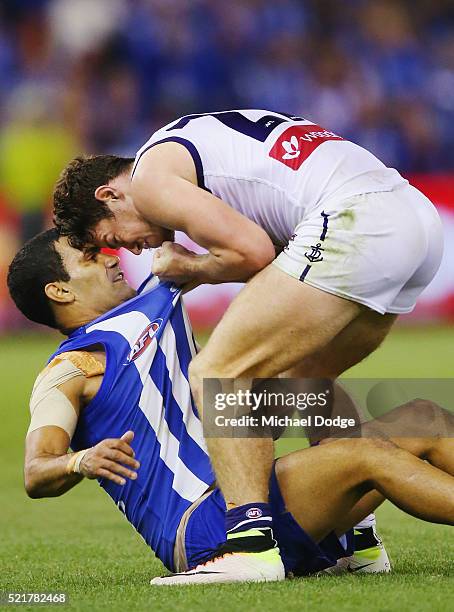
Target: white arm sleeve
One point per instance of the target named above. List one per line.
(48, 405)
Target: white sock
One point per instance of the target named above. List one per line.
(368, 521)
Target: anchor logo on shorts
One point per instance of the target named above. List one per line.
(316, 253)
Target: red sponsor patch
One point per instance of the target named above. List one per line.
(144, 340)
(296, 144)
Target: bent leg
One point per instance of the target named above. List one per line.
(423, 428)
(272, 324)
(429, 435)
(414, 486)
(323, 484)
(320, 484)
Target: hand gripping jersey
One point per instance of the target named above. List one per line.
(148, 344)
(272, 167)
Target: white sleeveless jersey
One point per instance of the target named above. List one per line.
(272, 167)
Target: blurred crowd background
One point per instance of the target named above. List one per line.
(100, 76)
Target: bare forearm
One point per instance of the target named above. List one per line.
(214, 269)
(175, 264)
(47, 476)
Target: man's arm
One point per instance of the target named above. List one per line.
(46, 459)
(51, 471)
(165, 193)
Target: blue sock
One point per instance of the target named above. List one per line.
(248, 516)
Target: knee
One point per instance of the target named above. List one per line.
(200, 369)
(365, 457)
(361, 449)
(376, 456)
(370, 446)
(419, 418)
(425, 411)
(370, 452)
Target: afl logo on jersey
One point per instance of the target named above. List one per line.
(144, 340)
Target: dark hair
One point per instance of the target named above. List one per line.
(76, 210)
(36, 264)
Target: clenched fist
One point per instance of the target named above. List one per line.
(173, 263)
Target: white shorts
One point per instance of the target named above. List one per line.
(377, 249)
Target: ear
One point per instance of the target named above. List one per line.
(59, 292)
(107, 193)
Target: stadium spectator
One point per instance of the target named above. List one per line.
(380, 72)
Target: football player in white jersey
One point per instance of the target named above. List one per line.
(357, 245)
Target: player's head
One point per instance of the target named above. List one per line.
(93, 205)
(55, 284)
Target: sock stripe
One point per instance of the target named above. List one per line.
(249, 541)
(250, 532)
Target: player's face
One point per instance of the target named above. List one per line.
(96, 279)
(128, 230)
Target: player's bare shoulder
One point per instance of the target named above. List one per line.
(165, 158)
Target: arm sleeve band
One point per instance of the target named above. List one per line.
(49, 405)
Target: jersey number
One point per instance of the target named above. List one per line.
(259, 130)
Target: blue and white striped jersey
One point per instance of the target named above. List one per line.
(148, 343)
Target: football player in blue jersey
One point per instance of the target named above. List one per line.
(116, 392)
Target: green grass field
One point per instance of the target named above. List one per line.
(80, 544)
